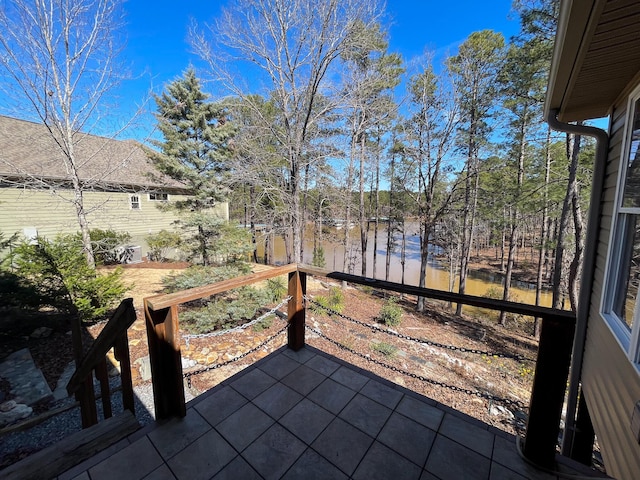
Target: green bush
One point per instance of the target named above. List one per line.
(384, 348)
(59, 272)
(390, 313)
(198, 276)
(277, 289)
(224, 312)
(333, 300)
(318, 257)
(105, 243)
(161, 243)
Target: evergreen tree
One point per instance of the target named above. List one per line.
(195, 149)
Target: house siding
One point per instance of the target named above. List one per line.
(52, 213)
(610, 382)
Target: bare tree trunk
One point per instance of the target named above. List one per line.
(364, 224)
(573, 150)
(544, 229)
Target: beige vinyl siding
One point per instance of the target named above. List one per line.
(611, 383)
(52, 213)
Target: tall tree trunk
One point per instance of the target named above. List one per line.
(573, 150)
(376, 207)
(542, 254)
(364, 230)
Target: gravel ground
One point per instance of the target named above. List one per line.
(18, 444)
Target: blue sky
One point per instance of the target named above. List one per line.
(157, 50)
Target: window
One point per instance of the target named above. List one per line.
(159, 197)
(134, 202)
(620, 307)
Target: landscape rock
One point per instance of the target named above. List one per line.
(144, 367)
(18, 412)
(41, 332)
(6, 406)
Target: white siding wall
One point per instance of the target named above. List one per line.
(611, 383)
(52, 213)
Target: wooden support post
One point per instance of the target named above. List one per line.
(296, 310)
(102, 374)
(87, 398)
(166, 362)
(584, 435)
(548, 392)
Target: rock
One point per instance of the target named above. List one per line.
(144, 367)
(61, 387)
(135, 342)
(500, 410)
(6, 406)
(19, 412)
(41, 332)
(188, 362)
(205, 351)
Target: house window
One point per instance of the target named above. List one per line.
(620, 306)
(134, 202)
(159, 197)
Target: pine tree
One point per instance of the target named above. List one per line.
(196, 147)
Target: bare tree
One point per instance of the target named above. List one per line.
(290, 46)
(59, 57)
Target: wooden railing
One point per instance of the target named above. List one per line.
(114, 335)
(552, 364)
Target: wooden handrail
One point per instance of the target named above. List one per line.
(475, 301)
(159, 302)
(120, 321)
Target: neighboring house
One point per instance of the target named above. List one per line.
(121, 187)
(596, 73)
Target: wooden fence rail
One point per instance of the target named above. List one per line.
(552, 364)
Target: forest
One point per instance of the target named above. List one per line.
(348, 132)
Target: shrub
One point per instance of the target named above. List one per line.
(225, 311)
(333, 300)
(105, 243)
(59, 272)
(318, 257)
(198, 276)
(277, 289)
(384, 348)
(390, 313)
(160, 243)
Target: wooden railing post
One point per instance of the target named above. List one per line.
(548, 392)
(296, 310)
(166, 361)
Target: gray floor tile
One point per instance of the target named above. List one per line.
(449, 460)
(467, 434)
(365, 414)
(323, 365)
(245, 425)
(408, 438)
(85, 476)
(342, 445)
(220, 405)
(277, 400)
(381, 393)
(204, 458)
(428, 476)
(498, 472)
(506, 454)
(253, 383)
(421, 412)
(274, 452)
(161, 473)
(306, 420)
(73, 472)
(303, 379)
(382, 463)
(279, 366)
(301, 356)
(311, 466)
(331, 395)
(177, 433)
(238, 469)
(349, 378)
(134, 462)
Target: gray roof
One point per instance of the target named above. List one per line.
(28, 152)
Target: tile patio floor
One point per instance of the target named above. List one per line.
(308, 415)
